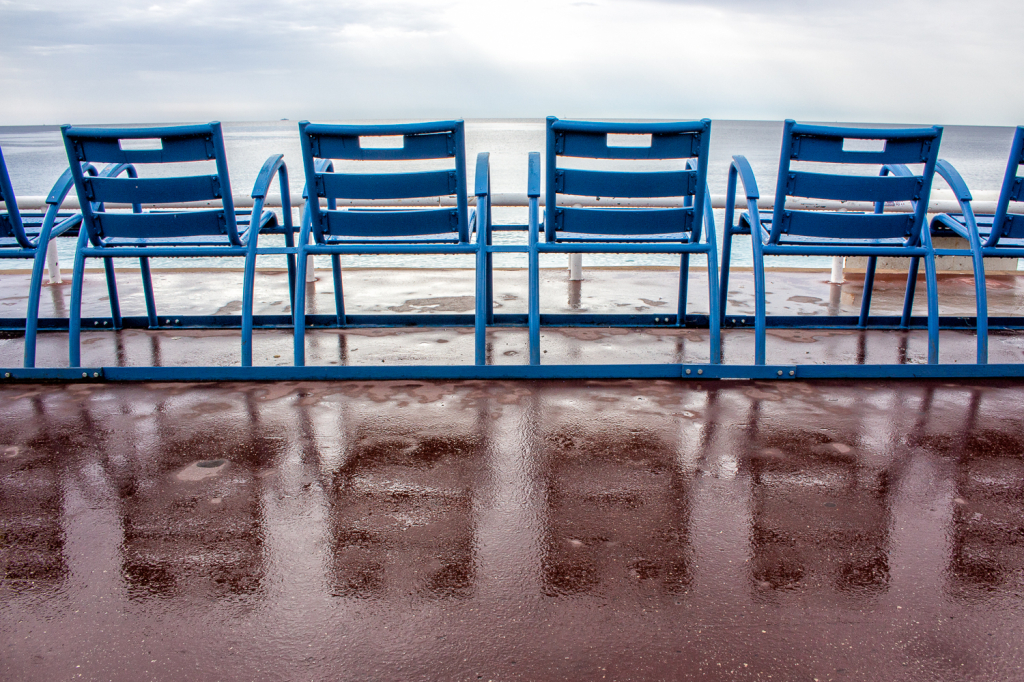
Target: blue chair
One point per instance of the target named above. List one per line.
(28, 234)
(1000, 235)
(168, 232)
(840, 233)
(591, 229)
(383, 229)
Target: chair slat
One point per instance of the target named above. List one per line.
(168, 225)
(1013, 226)
(625, 222)
(830, 150)
(412, 223)
(6, 229)
(1017, 190)
(175, 150)
(853, 187)
(127, 190)
(622, 184)
(425, 146)
(594, 145)
(847, 225)
(386, 186)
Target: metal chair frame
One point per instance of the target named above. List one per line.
(167, 233)
(389, 230)
(569, 229)
(834, 233)
(998, 235)
(28, 235)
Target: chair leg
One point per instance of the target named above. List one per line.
(981, 299)
(248, 294)
(908, 297)
(289, 242)
(869, 285)
(489, 290)
(299, 311)
(115, 303)
(534, 306)
(75, 321)
(339, 293)
(759, 302)
(723, 286)
(933, 309)
(147, 288)
(715, 318)
(684, 281)
(480, 317)
(32, 314)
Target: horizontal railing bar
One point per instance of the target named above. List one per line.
(554, 320)
(698, 372)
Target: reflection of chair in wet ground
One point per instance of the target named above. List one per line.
(604, 161)
(32, 533)
(27, 234)
(181, 232)
(195, 530)
(821, 514)
(811, 157)
(618, 513)
(986, 531)
(401, 517)
(999, 235)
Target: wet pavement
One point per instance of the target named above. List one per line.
(608, 290)
(625, 530)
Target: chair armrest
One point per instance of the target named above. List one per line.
(266, 175)
(947, 172)
(483, 174)
(64, 184)
(533, 175)
(747, 179)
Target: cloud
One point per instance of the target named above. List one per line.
(121, 61)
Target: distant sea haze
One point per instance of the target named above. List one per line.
(35, 159)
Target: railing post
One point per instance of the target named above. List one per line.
(52, 266)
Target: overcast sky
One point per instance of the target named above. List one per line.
(912, 61)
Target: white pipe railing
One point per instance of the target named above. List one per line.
(942, 201)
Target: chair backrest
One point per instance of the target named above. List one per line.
(891, 149)
(1008, 224)
(11, 226)
(145, 147)
(687, 142)
(354, 143)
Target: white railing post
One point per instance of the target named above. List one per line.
(837, 270)
(52, 266)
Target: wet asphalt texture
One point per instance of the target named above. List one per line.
(626, 530)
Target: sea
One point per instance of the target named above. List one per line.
(35, 159)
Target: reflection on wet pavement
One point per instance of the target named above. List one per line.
(484, 530)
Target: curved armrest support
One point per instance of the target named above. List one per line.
(483, 174)
(273, 166)
(266, 175)
(947, 172)
(533, 175)
(746, 174)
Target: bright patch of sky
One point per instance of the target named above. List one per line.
(910, 61)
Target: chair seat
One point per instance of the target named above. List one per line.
(576, 237)
(267, 220)
(957, 224)
(801, 240)
(33, 224)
